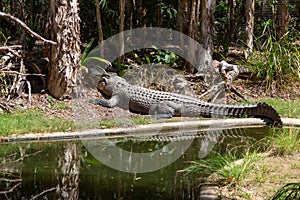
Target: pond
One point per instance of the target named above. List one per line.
(86, 168)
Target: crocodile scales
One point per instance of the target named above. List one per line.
(165, 104)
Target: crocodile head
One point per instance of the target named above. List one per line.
(108, 84)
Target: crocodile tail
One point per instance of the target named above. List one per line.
(260, 110)
(265, 112)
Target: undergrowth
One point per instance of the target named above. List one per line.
(277, 61)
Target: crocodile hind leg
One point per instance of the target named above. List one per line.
(164, 109)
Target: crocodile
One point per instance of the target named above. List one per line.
(118, 92)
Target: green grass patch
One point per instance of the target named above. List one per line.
(285, 108)
(285, 141)
(141, 120)
(32, 121)
(229, 168)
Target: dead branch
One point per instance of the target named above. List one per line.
(6, 105)
(40, 194)
(11, 189)
(5, 48)
(26, 28)
(23, 74)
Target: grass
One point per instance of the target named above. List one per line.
(229, 169)
(253, 170)
(285, 108)
(35, 121)
(285, 141)
(32, 121)
(278, 61)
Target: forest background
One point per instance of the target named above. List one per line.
(263, 36)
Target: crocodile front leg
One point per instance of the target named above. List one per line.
(112, 102)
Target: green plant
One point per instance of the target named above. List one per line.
(4, 37)
(285, 141)
(278, 61)
(290, 191)
(164, 56)
(88, 55)
(229, 168)
(4, 85)
(141, 120)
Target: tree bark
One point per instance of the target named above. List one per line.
(283, 17)
(99, 23)
(64, 61)
(249, 30)
(192, 28)
(206, 31)
(230, 24)
(207, 24)
(121, 29)
(183, 16)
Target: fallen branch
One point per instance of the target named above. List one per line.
(26, 28)
(23, 74)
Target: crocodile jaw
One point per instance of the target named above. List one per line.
(102, 88)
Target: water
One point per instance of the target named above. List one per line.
(69, 169)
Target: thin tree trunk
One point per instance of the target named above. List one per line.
(159, 15)
(99, 23)
(230, 24)
(183, 16)
(249, 30)
(121, 29)
(207, 24)
(197, 20)
(191, 30)
(64, 61)
(283, 17)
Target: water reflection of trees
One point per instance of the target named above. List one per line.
(68, 173)
(35, 171)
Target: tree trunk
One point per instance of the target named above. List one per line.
(192, 27)
(249, 30)
(197, 20)
(230, 24)
(64, 61)
(99, 23)
(159, 15)
(282, 17)
(183, 16)
(121, 30)
(206, 31)
(207, 24)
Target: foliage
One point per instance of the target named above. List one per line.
(290, 191)
(285, 141)
(229, 169)
(164, 56)
(278, 61)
